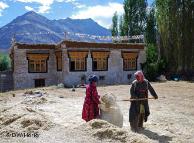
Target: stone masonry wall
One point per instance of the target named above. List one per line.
(23, 79)
(6, 81)
(114, 75)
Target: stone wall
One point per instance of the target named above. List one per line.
(114, 75)
(6, 81)
(24, 79)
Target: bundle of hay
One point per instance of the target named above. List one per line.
(33, 124)
(31, 101)
(110, 111)
(106, 133)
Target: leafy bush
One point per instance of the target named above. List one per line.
(153, 67)
(151, 53)
(162, 66)
(4, 62)
(151, 71)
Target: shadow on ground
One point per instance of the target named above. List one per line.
(155, 136)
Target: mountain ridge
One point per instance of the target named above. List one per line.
(25, 26)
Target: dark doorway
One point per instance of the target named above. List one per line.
(39, 82)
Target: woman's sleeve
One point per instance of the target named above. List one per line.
(132, 91)
(152, 91)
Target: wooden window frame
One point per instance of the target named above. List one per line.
(135, 59)
(45, 60)
(57, 58)
(84, 59)
(106, 60)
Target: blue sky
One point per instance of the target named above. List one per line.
(99, 10)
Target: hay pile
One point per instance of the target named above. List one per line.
(36, 93)
(106, 132)
(35, 100)
(34, 97)
(34, 123)
(23, 123)
(24, 117)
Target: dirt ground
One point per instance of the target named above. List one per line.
(55, 116)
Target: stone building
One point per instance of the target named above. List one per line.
(71, 62)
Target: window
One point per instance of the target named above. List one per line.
(59, 60)
(37, 66)
(77, 61)
(129, 61)
(78, 64)
(100, 61)
(37, 63)
(101, 77)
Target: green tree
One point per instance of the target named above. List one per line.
(150, 33)
(121, 26)
(175, 19)
(153, 67)
(151, 53)
(134, 17)
(4, 62)
(114, 28)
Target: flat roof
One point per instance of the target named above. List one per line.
(77, 44)
(35, 46)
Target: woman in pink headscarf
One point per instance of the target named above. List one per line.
(139, 109)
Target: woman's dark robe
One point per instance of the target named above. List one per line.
(140, 90)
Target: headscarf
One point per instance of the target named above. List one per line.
(139, 76)
(93, 78)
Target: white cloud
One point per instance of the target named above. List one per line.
(44, 9)
(73, 2)
(79, 5)
(45, 5)
(42, 2)
(2, 7)
(68, 0)
(29, 8)
(100, 13)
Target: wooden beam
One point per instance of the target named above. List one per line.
(100, 54)
(75, 54)
(37, 56)
(128, 55)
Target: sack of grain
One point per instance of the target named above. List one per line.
(110, 111)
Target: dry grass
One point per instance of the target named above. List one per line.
(56, 116)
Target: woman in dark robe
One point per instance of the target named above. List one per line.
(90, 108)
(139, 109)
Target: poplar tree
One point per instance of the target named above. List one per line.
(134, 17)
(175, 19)
(114, 28)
